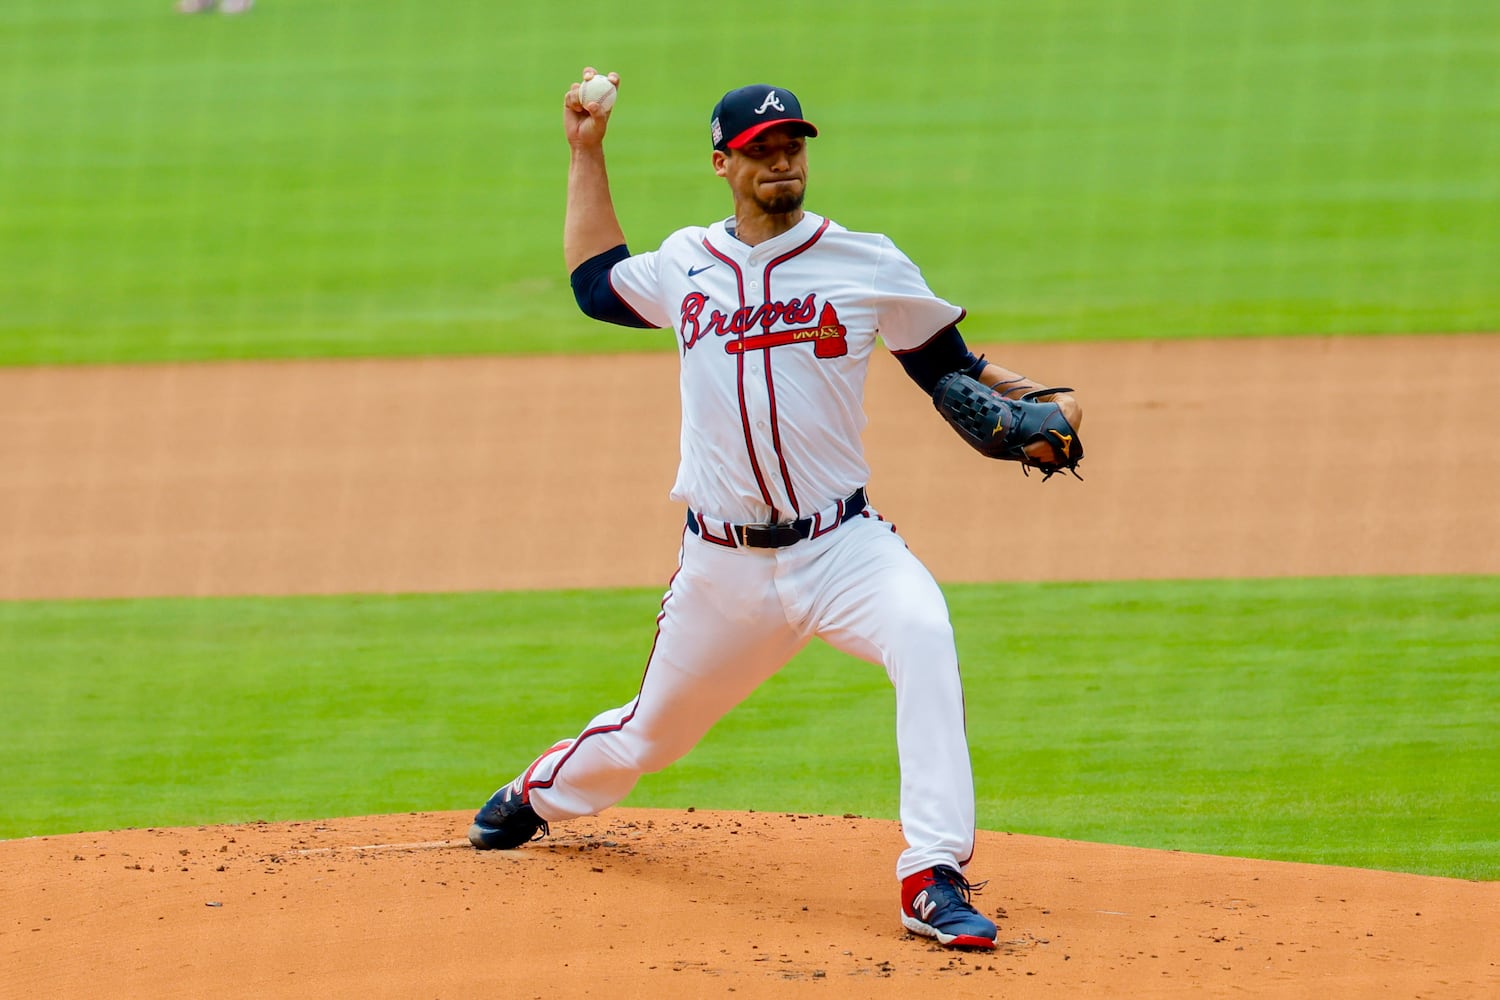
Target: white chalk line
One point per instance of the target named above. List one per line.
(422, 845)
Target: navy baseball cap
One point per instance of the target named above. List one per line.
(743, 114)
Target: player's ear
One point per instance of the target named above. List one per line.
(721, 163)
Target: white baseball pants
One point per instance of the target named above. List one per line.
(731, 618)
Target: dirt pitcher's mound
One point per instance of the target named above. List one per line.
(645, 903)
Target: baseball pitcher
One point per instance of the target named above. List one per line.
(776, 311)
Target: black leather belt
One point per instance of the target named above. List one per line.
(779, 536)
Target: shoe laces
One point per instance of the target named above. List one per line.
(943, 875)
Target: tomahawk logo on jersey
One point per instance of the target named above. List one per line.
(828, 337)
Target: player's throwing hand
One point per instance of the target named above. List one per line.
(585, 119)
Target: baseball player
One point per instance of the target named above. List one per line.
(203, 6)
(776, 311)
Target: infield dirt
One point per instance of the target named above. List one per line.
(1205, 459)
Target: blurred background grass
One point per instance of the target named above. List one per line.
(337, 178)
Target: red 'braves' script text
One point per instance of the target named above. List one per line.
(694, 326)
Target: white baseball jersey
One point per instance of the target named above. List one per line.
(775, 340)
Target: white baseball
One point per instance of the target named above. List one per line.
(597, 88)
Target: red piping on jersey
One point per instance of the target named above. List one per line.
(962, 314)
(786, 476)
(794, 252)
(760, 480)
(818, 529)
(727, 541)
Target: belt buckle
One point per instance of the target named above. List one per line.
(750, 535)
(765, 536)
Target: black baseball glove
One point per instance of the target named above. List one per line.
(998, 427)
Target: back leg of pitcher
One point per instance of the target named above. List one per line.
(720, 634)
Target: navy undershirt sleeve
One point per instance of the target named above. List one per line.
(946, 352)
(596, 298)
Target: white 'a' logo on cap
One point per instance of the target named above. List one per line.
(770, 102)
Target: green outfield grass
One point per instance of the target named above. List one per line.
(1345, 721)
(385, 177)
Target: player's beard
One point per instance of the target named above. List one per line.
(784, 203)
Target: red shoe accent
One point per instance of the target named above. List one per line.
(912, 885)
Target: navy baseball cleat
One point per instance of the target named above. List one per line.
(935, 903)
(507, 820)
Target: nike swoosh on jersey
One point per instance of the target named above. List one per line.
(693, 272)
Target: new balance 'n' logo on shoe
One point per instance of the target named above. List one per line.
(935, 903)
(507, 820)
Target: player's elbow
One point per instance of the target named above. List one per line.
(594, 294)
(946, 352)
